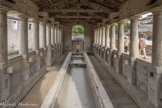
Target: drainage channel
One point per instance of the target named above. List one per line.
(77, 86)
(76, 91)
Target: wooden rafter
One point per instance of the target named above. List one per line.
(76, 10)
(114, 9)
(76, 16)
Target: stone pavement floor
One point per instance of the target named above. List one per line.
(117, 95)
(38, 93)
(148, 58)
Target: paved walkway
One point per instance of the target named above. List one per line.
(118, 96)
(148, 58)
(38, 93)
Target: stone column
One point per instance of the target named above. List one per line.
(107, 37)
(134, 39)
(121, 37)
(120, 45)
(103, 36)
(157, 39)
(3, 39)
(24, 37)
(59, 36)
(57, 39)
(43, 32)
(155, 71)
(61, 39)
(98, 37)
(112, 40)
(49, 34)
(94, 34)
(107, 42)
(95, 38)
(36, 35)
(134, 49)
(99, 40)
(54, 38)
(52, 35)
(56, 35)
(49, 51)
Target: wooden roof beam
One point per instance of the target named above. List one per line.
(113, 9)
(76, 10)
(76, 17)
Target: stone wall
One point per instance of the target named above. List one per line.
(67, 39)
(88, 38)
(149, 50)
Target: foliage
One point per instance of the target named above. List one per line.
(116, 29)
(151, 22)
(78, 30)
(148, 33)
(11, 12)
(13, 54)
(126, 27)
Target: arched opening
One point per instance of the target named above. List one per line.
(13, 32)
(145, 28)
(78, 34)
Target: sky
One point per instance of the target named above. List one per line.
(145, 15)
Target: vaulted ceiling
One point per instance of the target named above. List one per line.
(91, 11)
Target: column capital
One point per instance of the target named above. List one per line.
(107, 26)
(121, 22)
(43, 23)
(134, 18)
(34, 20)
(103, 27)
(4, 9)
(52, 26)
(55, 27)
(157, 12)
(48, 25)
(22, 17)
(113, 24)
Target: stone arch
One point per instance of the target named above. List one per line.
(77, 35)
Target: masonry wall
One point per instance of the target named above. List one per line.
(88, 38)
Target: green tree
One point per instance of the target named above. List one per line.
(116, 29)
(126, 27)
(78, 30)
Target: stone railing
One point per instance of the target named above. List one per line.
(114, 60)
(23, 75)
(121, 68)
(125, 66)
(142, 70)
